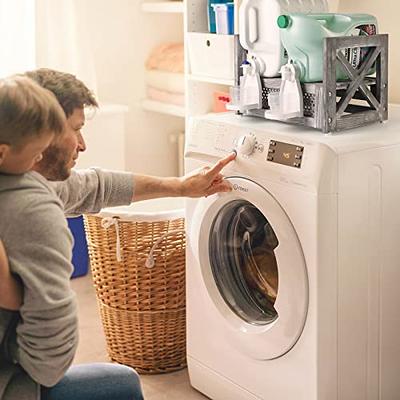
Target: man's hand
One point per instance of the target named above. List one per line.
(207, 181)
(203, 182)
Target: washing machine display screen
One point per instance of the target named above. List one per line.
(243, 263)
(285, 153)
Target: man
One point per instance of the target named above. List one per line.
(42, 338)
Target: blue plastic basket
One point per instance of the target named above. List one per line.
(80, 257)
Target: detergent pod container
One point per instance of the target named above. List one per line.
(260, 35)
(303, 38)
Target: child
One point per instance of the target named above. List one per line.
(30, 117)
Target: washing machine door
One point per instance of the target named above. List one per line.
(253, 268)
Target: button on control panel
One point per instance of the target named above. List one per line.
(246, 144)
(285, 153)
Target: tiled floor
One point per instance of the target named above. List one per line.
(92, 348)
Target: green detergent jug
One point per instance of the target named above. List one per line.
(302, 36)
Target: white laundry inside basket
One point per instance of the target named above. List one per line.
(163, 209)
(147, 210)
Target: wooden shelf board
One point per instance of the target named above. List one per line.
(207, 79)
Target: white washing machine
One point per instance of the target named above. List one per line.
(293, 278)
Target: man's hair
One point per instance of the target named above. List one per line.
(70, 92)
(27, 110)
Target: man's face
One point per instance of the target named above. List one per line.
(60, 157)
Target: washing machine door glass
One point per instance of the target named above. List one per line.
(252, 268)
(243, 263)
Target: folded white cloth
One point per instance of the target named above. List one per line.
(165, 97)
(168, 81)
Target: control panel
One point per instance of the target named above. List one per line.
(219, 139)
(285, 153)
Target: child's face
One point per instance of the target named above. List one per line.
(20, 159)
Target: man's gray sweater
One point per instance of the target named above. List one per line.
(38, 343)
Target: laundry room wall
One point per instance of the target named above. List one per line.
(387, 12)
(107, 48)
(122, 39)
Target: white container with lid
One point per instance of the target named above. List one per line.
(224, 16)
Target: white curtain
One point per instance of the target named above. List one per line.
(17, 36)
(62, 38)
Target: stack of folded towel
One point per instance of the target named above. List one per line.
(164, 74)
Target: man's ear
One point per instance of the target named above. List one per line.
(4, 150)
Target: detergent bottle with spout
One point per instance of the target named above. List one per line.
(260, 35)
(303, 37)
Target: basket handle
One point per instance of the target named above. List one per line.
(150, 258)
(106, 223)
(110, 221)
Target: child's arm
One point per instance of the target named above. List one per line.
(10, 288)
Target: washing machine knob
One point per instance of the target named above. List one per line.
(246, 144)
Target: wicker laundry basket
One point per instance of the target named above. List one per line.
(137, 257)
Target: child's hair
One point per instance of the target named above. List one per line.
(27, 110)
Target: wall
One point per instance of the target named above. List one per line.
(387, 12)
(115, 38)
(17, 43)
(123, 38)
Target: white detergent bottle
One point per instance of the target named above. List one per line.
(260, 35)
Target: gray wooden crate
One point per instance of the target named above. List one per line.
(333, 106)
